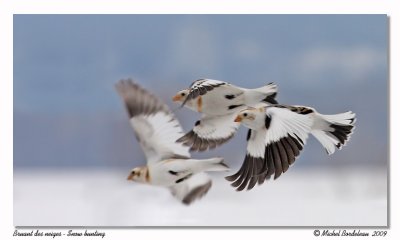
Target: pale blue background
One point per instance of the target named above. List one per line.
(67, 113)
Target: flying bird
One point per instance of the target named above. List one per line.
(169, 163)
(219, 102)
(277, 134)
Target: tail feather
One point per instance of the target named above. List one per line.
(218, 165)
(269, 89)
(207, 165)
(271, 99)
(341, 118)
(265, 93)
(336, 130)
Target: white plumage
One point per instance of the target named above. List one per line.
(219, 102)
(155, 133)
(277, 134)
(168, 162)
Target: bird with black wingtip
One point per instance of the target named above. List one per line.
(169, 163)
(219, 102)
(278, 133)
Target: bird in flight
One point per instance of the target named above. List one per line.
(219, 102)
(277, 134)
(169, 163)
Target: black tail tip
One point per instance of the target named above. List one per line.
(341, 133)
(271, 99)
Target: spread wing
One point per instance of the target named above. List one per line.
(210, 132)
(201, 87)
(191, 189)
(155, 126)
(271, 150)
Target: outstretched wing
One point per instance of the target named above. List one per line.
(210, 132)
(201, 87)
(271, 150)
(192, 189)
(155, 126)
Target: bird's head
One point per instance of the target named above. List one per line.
(181, 95)
(139, 174)
(249, 116)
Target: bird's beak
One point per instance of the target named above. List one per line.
(176, 98)
(130, 177)
(238, 119)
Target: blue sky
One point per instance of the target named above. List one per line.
(66, 111)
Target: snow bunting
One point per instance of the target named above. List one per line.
(277, 134)
(219, 102)
(168, 162)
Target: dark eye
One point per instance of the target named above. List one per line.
(133, 172)
(183, 94)
(245, 114)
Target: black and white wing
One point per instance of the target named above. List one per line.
(155, 126)
(210, 132)
(201, 87)
(271, 150)
(192, 189)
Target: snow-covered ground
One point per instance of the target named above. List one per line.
(301, 197)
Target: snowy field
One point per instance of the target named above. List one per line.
(301, 197)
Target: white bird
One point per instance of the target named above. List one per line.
(219, 102)
(277, 134)
(168, 163)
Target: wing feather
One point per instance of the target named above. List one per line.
(155, 126)
(201, 87)
(276, 148)
(210, 132)
(192, 189)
